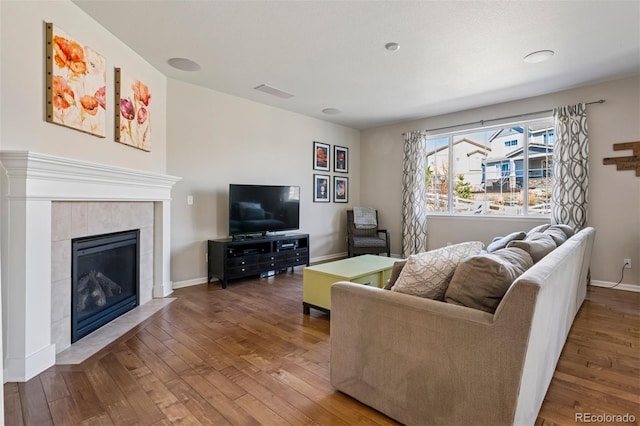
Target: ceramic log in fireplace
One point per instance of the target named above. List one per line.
(105, 280)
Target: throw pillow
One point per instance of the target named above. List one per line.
(538, 245)
(539, 228)
(395, 273)
(568, 231)
(428, 274)
(502, 242)
(557, 234)
(480, 282)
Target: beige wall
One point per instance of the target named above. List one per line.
(22, 87)
(614, 196)
(217, 139)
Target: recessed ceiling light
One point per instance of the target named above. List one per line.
(184, 64)
(539, 56)
(331, 111)
(392, 47)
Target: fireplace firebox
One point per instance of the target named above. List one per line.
(105, 279)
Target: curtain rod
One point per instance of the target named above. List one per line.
(482, 122)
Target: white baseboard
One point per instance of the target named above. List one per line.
(342, 256)
(189, 283)
(327, 257)
(625, 287)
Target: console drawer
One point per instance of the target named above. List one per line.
(242, 261)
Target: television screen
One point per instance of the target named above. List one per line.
(263, 208)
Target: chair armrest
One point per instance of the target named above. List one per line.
(383, 231)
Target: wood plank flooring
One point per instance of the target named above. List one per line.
(247, 356)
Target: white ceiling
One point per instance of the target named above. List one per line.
(454, 55)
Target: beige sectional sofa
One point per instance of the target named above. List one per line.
(423, 361)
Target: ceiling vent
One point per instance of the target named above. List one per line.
(273, 91)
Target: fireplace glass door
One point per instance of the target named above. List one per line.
(105, 280)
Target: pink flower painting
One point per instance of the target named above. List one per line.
(76, 84)
(133, 123)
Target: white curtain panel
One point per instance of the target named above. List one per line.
(414, 194)
(569, 194)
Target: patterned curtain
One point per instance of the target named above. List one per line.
(414, 194)
(570, 166)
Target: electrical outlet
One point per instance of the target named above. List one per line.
(189, 200)
(627, 263)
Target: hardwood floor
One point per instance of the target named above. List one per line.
(599, 369)
(247, 355)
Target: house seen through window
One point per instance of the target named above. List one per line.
(503, 170)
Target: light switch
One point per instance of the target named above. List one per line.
(189, 200)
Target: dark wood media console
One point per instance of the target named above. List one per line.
(237, 258)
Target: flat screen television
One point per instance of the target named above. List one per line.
(263, 209)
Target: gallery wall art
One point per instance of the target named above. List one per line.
(321, 188)
(321, 156)
(76, 83)
(321, 182)
(341, 189)
(132, 111)
(341, 159)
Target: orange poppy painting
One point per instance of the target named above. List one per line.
(76, 84)
(133, 111)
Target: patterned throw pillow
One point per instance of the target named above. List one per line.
(428, 274)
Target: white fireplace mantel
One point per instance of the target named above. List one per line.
(30, 183)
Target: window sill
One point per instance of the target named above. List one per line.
(448, 216)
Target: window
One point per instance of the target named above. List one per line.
(503, 170)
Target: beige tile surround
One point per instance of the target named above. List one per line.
(74, 219)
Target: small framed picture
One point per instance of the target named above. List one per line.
(340, 159)
(321, 156)
(341, 189)
(321, 188)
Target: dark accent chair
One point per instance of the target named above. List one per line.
(366, 241)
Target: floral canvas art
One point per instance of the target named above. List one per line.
(133, 111)
(76, 83)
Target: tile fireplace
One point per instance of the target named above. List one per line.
(36, 244)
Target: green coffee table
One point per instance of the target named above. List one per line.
(317, 280)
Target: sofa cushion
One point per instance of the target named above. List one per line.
(369, 242)
(428, 274)
(395, 273)
(481, 281)
(501, 242)
(537, 244)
